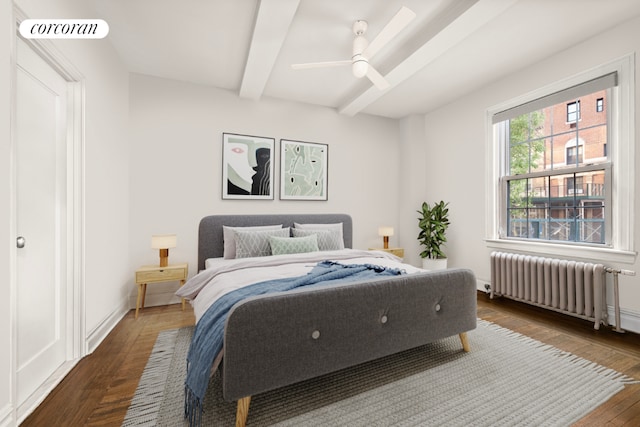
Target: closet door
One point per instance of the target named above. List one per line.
(41, 221)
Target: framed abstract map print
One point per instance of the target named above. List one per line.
(303, 170)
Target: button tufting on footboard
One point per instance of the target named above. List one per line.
(383, 319)
(315, 335)
(437, 307)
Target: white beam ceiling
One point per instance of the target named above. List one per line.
(273, 19)
(451, 48)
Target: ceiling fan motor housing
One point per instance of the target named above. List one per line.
(360, 63)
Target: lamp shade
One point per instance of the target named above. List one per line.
(385, 231)
(164, 241)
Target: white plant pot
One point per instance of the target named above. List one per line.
(434, 264)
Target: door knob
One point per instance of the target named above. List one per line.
(20, 242)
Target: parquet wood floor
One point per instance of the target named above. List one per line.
(98, 390)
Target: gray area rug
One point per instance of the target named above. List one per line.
(506, 380)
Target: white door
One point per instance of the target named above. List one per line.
(41, 221)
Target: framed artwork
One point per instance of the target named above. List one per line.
(303, 170)
(247, 167)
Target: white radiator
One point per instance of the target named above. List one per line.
(570, 287)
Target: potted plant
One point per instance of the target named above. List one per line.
(433, 223)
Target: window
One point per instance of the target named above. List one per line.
(575, 184)
(574, 152)
(545, 194)
(557, 183)
(599, 105)
(573, 112)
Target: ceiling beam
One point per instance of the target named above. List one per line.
(273, 19)
(452, 27)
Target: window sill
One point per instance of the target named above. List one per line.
(587, 253)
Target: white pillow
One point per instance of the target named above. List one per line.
(336, 229)
(229, 237)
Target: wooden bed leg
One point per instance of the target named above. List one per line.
(243, 411)
(465, 342)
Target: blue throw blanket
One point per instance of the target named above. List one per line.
(208, 335)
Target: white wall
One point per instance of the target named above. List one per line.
(414, 186)
(176, 157)
(106, 188)
(107, 273)
(455, 164)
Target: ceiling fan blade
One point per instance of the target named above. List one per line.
(377, 79)
(393, 27)
(320, 64)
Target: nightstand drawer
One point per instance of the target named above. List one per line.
(161, 275)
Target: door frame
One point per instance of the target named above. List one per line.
(76, 314)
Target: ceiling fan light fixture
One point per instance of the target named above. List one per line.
(360, 66)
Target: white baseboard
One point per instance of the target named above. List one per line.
(480, 285)
(100, 332)
(629, 319)
(6, 416)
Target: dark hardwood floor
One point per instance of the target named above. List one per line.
(98, 390)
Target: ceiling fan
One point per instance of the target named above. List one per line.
(363, 51)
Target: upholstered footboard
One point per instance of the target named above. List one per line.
(279, 339)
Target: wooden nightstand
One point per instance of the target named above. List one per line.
(156, 274)
(399, 252)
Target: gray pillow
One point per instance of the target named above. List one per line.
(328, 240)
(254, 243)
(229, 237)
(335, 229)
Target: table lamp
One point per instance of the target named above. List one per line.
(385, 232)
(164, 242)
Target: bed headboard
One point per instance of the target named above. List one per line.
(210, 244)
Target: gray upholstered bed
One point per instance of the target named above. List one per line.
(279, 339)
(210, 243)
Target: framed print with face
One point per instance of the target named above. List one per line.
(247, 167)
(303, 170)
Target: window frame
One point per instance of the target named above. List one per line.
(572, 112)
(621, 150)
(578, 145)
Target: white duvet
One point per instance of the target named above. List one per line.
(225, 275)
